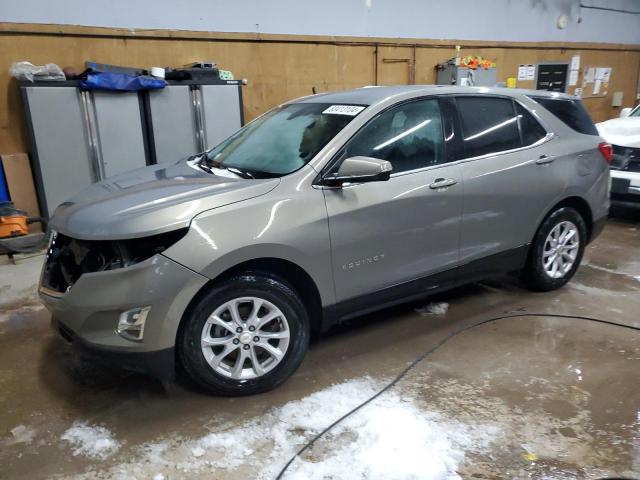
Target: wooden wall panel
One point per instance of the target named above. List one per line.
(394, 65)
(624, 75)
(280, 67)
(276, 72)
(623, 78)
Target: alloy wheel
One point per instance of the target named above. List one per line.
(245, 338)
(561, 249)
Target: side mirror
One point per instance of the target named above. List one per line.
(359, 170)
(625, 112)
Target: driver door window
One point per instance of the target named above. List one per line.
(408, 135)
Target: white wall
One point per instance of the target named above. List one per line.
(514, 20)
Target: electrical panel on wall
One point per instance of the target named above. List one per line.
(552, 77)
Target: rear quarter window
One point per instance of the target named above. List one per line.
(571, 112)
(489, 125)
(530, 129)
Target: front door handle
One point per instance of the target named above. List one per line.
(442, 183)
(545, 159)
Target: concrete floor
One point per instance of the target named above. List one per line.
(520, 398)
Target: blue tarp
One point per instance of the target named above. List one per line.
(4, 189)
(121, 82)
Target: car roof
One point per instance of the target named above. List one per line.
(376, 94)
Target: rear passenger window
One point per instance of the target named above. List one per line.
(530, 128)
(489, 125)
(408, 135)
(571, 112)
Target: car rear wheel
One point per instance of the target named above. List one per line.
(245, 336)
(556, 251)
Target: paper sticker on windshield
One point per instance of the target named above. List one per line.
(351, 110)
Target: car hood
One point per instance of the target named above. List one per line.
(151, 200)
(621, 131)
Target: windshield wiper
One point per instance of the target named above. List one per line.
(208, 164)
(205, 168)
(240, 172)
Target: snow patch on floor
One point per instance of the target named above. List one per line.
(391, 438)
(439, 308)
(21, 434)
(91, 441)
(18, 283)
(8, 314)
(282, 431)
(594, 291)
(626, 271)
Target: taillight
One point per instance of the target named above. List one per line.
(606, 150)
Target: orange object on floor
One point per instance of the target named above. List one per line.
(13, 225)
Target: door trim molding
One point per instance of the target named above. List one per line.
(500, 263)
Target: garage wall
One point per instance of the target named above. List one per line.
(281, 67)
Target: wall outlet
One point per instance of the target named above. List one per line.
(616, 100)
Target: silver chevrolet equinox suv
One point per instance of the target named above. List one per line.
(222, 265)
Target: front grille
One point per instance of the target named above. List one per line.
(626, 159)
(68, 259)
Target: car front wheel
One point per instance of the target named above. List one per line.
(245, 336)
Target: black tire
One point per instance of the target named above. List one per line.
(250, 284)
(533, 275)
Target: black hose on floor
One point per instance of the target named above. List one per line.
(424, 355)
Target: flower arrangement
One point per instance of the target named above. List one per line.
(476, 61)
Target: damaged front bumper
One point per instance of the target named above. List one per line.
(89, 312)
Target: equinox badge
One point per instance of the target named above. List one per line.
(363, 261)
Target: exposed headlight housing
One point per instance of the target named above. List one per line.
(136, 250)
(68, 258)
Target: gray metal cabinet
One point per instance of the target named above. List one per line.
(188, 118)
(81, 137)
(462, 76)
(58, 129)
(222, 117)
(173, 123)
(119, 131)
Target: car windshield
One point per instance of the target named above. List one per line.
(635, 112)
(282, 140)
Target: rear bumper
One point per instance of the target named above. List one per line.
(625, 202)
(625, 189)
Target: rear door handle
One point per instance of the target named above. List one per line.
(442, 183)
(545, 159)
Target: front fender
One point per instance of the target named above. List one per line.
(284, 225)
